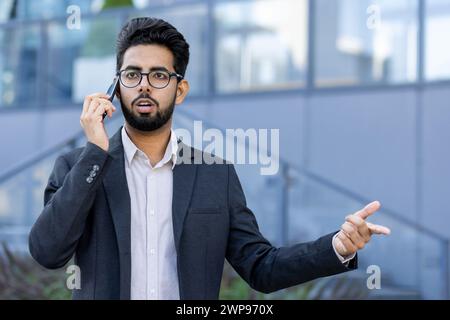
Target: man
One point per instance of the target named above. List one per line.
(144, 225)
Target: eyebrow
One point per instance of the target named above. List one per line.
(157, 68)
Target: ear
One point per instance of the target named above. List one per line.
(182, 91)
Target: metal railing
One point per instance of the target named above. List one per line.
(288, 180)
(286, 175)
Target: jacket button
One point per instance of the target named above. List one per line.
(89, 179)
(95, 167)
(92, 173)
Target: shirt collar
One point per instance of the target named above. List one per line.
(169, 155)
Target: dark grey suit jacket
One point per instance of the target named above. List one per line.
(87, 214)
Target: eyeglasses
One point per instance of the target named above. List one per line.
(158, 79)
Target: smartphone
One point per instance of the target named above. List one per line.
(112, 92)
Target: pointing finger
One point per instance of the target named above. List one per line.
(368, 210)
(378, 229)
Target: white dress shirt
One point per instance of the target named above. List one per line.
(345, 260)
(153, 256)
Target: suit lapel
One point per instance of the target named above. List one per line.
(118, 196)
(184, 174)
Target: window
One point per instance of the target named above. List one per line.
(80, 61)
(18, 65)
(260, 45)
(437, 50)
(191, 21)
(360, 42)
(47, 9)
(6, 10)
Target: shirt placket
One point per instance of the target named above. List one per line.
(152, 232)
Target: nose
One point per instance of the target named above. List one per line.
(144, 85)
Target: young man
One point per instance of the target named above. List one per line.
(144, 225)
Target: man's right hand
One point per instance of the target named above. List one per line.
(91, 118)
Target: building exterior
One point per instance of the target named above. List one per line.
(358, 89)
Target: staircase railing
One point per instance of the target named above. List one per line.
(287, 175)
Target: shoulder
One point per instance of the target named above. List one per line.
(190, 155)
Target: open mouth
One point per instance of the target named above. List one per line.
(145, 106)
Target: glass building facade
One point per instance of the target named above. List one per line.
(358, 89)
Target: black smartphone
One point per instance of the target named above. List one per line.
(112, 92)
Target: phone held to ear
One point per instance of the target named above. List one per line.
(112, 92)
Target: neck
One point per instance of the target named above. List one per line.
(152, 143)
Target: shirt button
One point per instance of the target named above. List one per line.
(152, 251)
(152, 212)
(152, 291)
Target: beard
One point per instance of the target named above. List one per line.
(147, 121)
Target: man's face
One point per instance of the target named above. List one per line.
(144, 107)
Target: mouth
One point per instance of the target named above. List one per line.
(145, 106)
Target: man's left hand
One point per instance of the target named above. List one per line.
(356, 231)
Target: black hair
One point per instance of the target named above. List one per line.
(147, 30)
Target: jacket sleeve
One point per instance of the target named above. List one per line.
(68, 197)
(266, 268)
